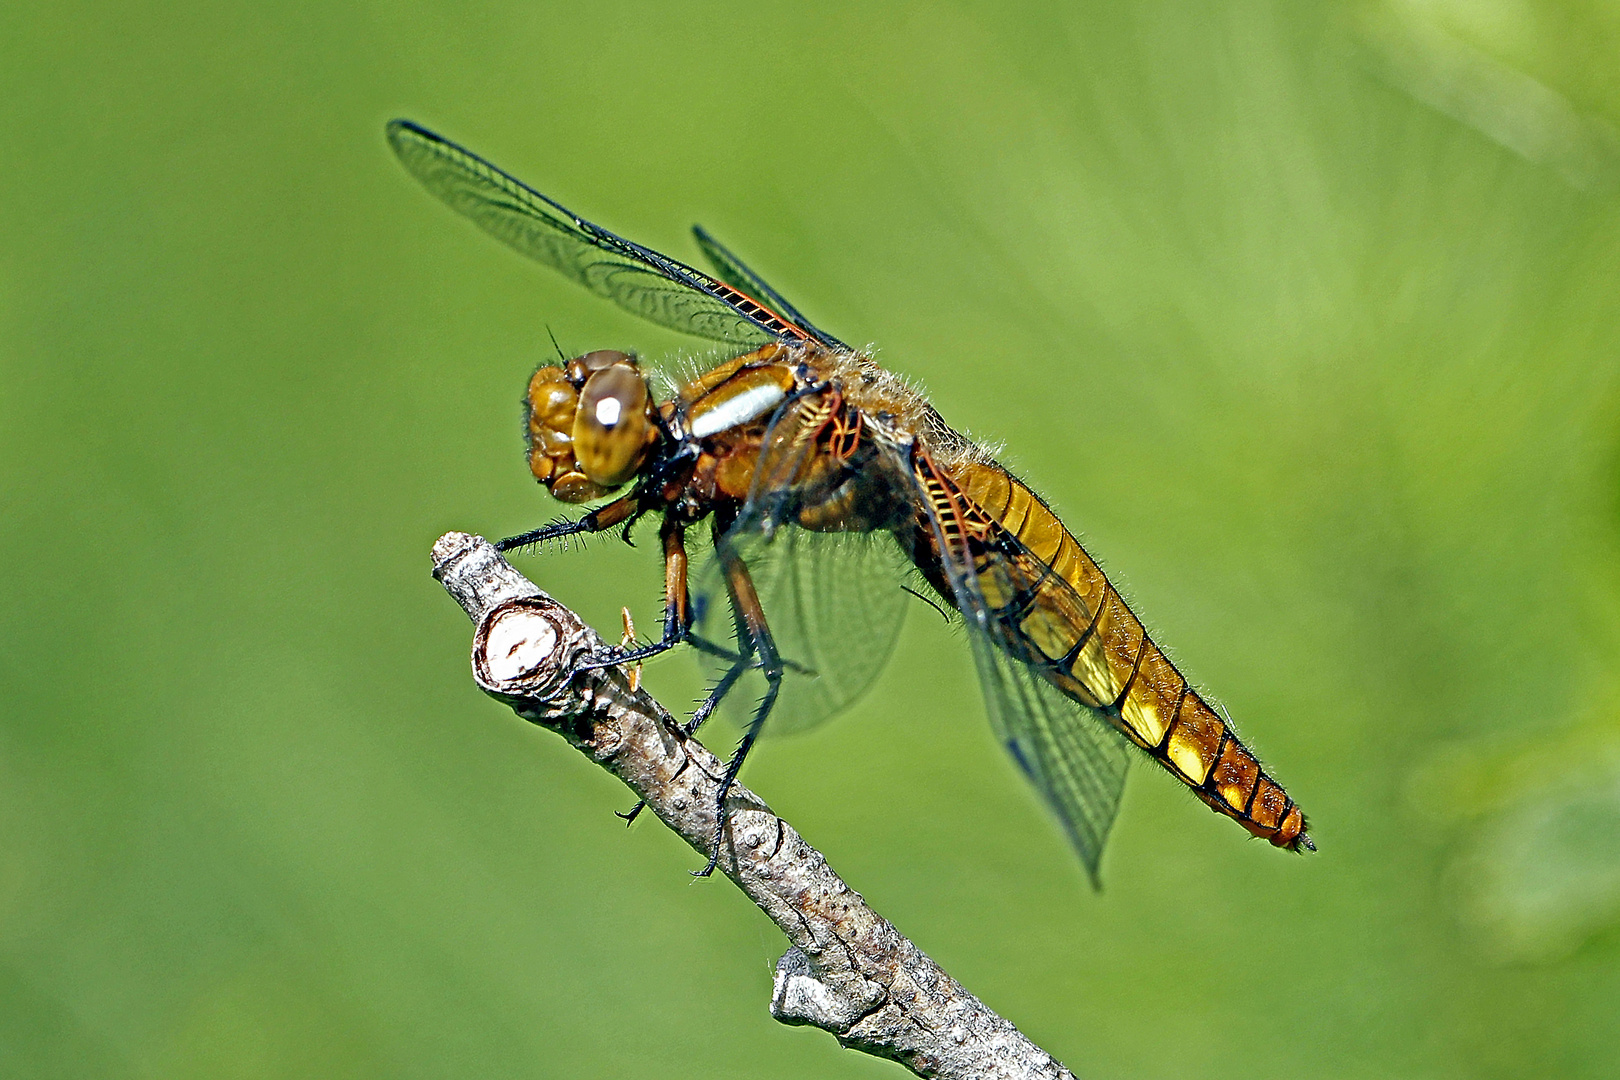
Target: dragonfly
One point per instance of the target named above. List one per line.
(830, 487)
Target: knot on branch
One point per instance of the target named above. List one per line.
(834, 1002)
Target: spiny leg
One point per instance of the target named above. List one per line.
(740, 663)
(752, 636)
(756, 633)
(677, 605)
(602, 518)
(720, 652)
(677, 616)
(773, 683)
(677, 619)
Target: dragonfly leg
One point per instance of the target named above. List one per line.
(757, 634)
(739, 665)
(618, 511)
(677, 606)
(704, 645)
(723, 687)
(677, 619)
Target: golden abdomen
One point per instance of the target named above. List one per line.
(1072, 625)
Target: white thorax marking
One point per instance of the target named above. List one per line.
(737, 409)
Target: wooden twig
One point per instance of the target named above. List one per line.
(849, 971)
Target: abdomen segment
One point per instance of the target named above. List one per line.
(1064, 618)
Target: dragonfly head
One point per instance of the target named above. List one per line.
(590, 425)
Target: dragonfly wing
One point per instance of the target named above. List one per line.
(733, 271)
(834, 604)
(638, 279)
(1070, 752)
(1075, 760)
(833, 600)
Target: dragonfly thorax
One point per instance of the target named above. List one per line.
(590, 426)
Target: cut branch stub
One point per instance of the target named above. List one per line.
(524, 653)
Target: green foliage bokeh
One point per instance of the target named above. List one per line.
(1304, 316)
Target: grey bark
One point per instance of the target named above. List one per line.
(849, 971)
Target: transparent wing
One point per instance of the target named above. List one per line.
(733, 271)
(1075, 760)
(638, 279)
(1073, 756)
(833, 600)
(834, 604)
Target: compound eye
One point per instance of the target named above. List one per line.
(612, 430)
(583, 367)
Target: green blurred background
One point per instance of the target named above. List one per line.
(1304, 315)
